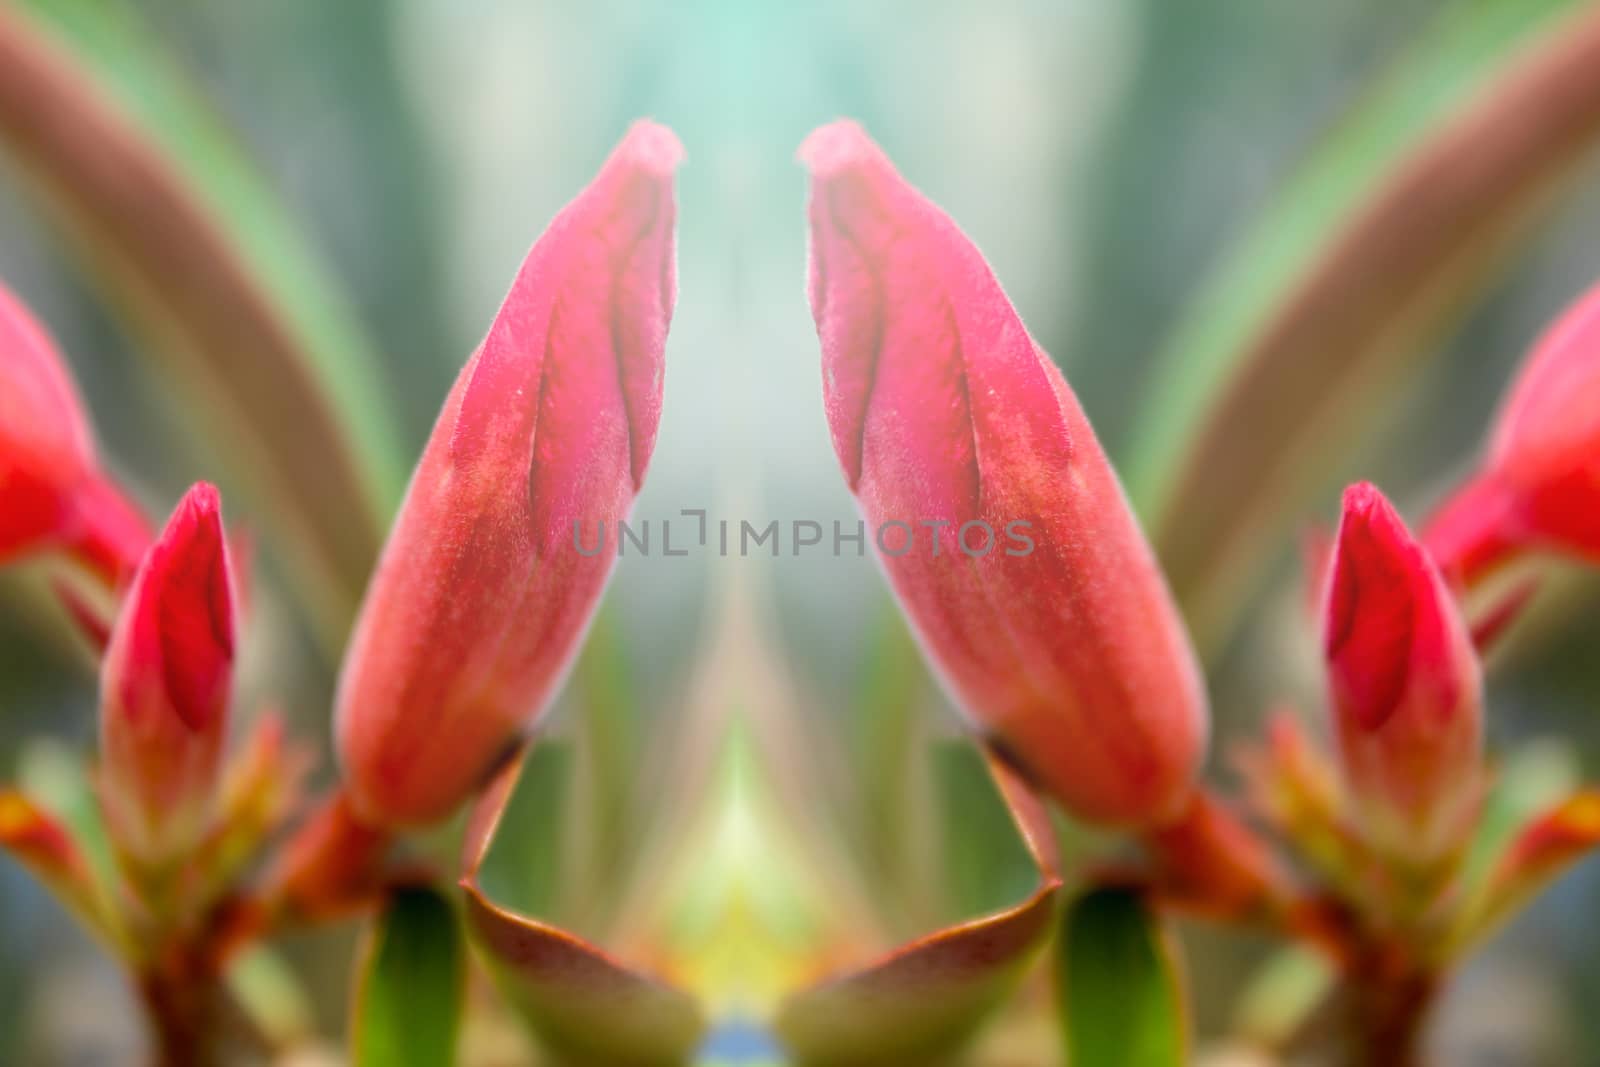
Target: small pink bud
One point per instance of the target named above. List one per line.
(1539, 485)
(482, 595)
(165, 686)
(52, 493)
(951, 424)
(1404, 684)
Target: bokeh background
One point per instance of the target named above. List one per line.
(1104, 154)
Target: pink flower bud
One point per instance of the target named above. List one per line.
(1539, 485)
(1404, 684)
(165, 686)
(1062, 642)
(52, 494)
(482, 595)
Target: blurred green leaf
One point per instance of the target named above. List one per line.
(925, 1000)
(1122, 1003)
(986, 865)
(1533, 777)
(891, 727)
(57, 778)
(608, 731)
(269, 993)
(1543, 847)
(524, 869)
(1283, 995)
(43, 844)
(194, 247)
(1361, 260)
(412, 985)
(583, 1005)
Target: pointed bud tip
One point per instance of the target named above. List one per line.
(195, 617)
(1370, 605)
(1369, 532)
(650, 147)
(839, 147)
(1365, 501)
(201, 507)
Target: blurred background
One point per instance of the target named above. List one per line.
(1106, 155)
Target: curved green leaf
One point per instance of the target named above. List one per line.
(583, 1005)
(1386, 231)
(925, 1000)
(1122, 1003)
(202, 258)
(412, 986)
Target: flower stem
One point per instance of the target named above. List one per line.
(182, 1000)
(1388, 1013)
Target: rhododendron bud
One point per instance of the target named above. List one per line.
(52, 493)
(482, 593)
(1539, 485)
(165, 686)
(1002, 527)
(1404, 684)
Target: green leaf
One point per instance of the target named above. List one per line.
(269, 993)
(525, 869)
(890, 725)
(1348, 278)
(608, 738)
(57, 777)
(924, 1001)
(1282, 995)
(1532, 778)
(412, 986)
(1122, 1003)
(172, 220)
(986, 865)
(582, 1004)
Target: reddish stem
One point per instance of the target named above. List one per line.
(111, 532)
(1474, 532)
(333, 865)
(182, 1000)
(1388, 1015)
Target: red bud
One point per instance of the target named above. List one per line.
(52, 493)
(165, 685)
(1539, 485)
(1065, 646)
(481, 596)
(1404, 683)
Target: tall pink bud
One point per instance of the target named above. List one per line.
(482, 594)
(52, 493)
(1404, 684)
(165, 686)
(1059, 637)
(1539, 484)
